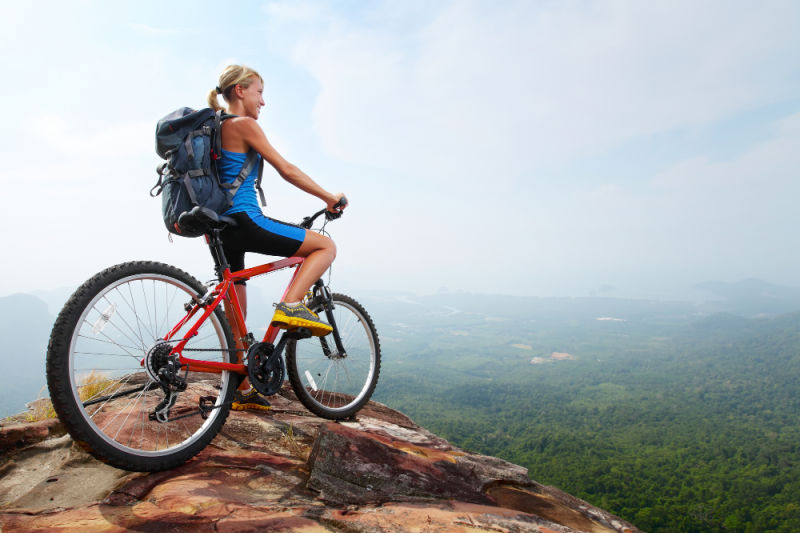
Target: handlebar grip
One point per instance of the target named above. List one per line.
(338, 206)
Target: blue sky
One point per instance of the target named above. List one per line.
(539, 148)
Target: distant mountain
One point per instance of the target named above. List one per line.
(25, 324)
(55, 298)
(752, 297)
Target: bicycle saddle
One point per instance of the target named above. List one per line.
(203, 219)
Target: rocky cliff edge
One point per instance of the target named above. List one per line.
(285, 470)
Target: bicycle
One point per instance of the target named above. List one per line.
(142, 362)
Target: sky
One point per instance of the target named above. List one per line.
(537, 148)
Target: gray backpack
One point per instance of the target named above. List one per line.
(190, 141)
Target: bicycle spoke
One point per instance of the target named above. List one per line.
(119, 411)
(347, 333)
(135, 314)
(106, 354)
(130, 410)
(155, 308)
(324, 386)
(122, 318)
(164, 323)
(92, 399)
(112, 341)
(147, 307)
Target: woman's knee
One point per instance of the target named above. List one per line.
(331, 247)
(315, 242)
(327, 248)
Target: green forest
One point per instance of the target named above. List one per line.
(671, 418)
(674, 416)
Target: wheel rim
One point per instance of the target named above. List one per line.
(113, 335)
(337, 384)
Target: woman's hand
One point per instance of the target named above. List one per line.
(337, 203)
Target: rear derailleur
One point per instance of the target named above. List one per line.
(164, 368)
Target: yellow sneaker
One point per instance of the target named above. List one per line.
(249, 400)
(299, 316)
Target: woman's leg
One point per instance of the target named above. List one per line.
(319, 251)
(241, 295)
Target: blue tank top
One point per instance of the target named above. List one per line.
(245, 200)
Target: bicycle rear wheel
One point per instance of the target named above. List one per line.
(336, 385)
(105, 351)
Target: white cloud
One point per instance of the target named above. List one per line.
(453, 127)
(470, 107)
(485, 90)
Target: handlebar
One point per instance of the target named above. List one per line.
(309, 221)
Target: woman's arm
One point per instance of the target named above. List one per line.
(243, 133)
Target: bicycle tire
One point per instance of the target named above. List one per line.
(335, 387)
(96, 376)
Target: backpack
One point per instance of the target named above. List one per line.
(191, 143)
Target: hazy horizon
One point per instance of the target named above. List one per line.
(533, 148)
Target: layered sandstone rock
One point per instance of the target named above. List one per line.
(286, 470)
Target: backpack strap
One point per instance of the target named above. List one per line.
(187, 181)
(218, 128)
(247, 167)
(258, 182)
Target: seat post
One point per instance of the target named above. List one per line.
(214, 242)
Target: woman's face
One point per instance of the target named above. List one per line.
(252, 98)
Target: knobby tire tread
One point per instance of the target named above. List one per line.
(58, 379)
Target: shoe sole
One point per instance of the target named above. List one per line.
(246, 406)
(288, 322)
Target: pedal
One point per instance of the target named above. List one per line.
(299, 333)
(206, 405)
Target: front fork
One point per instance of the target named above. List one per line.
(322, 296)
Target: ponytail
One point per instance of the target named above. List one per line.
(213, 100)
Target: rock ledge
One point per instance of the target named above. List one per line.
(286, 470)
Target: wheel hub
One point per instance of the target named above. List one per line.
(337, 356)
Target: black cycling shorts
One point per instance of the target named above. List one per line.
(263, 235)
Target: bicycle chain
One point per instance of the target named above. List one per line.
(201, 410)
(211, 350)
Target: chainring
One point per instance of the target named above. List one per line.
(265, 368)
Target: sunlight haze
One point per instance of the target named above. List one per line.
(535, 148)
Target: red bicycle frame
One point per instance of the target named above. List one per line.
(222, 292)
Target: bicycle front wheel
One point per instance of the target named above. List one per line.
(330, 383)
(104, 357)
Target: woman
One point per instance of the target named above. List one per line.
(242, 89)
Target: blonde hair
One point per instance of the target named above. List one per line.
(232, 76)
